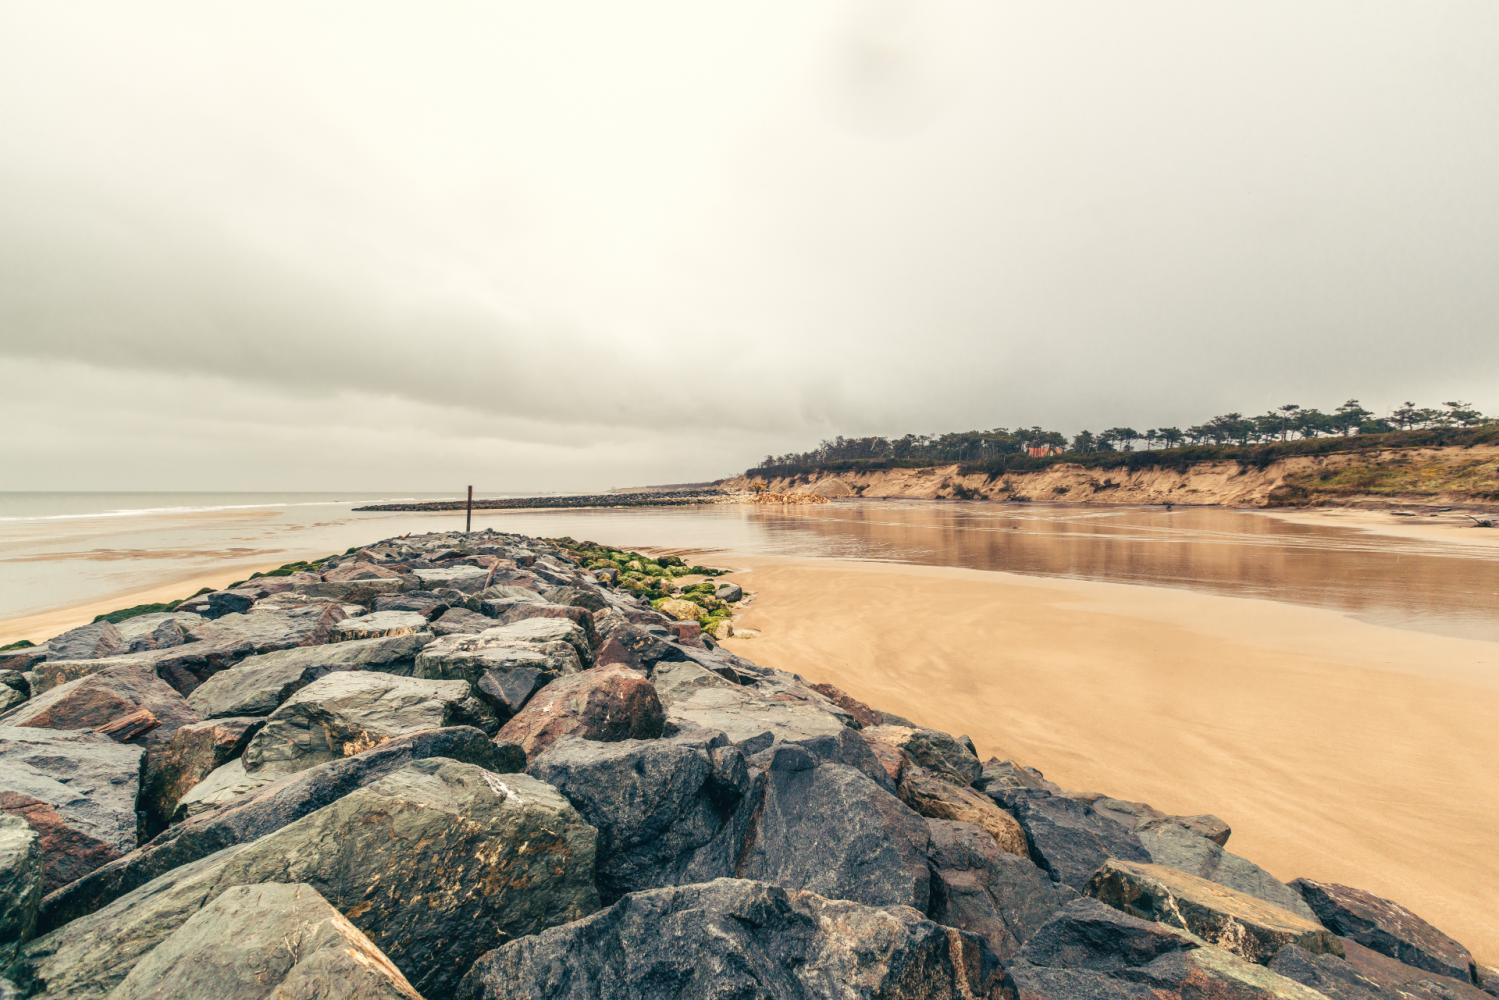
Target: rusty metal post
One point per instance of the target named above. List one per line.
(468, 521)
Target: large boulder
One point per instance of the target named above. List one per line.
(508, 611)
(87, 642)
(1066, 837)
(76, 790)
(346, 713)
(20, 884)
(1386, 927)
(636, 646)
(981, 888)
(271, 941)
(831, 829)
(379, 625)
(271, 807)
(696, 696)
(460, 621)
(1093, 952)
(193, 752)
(468, 579)
(258, 685)
(935, 751)
(1176, 846)
(605, 703)
(508, 663)
(227, 783)
(156, 631)
(100, 700)
(663, 808)
(734, 938)
(434, 862)
(1364, 974)
(937, 798)
(1242, 924)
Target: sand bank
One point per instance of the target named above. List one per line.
(1337, 749)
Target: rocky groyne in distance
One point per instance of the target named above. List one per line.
(620, 498)
(484, 766)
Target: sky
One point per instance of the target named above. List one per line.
(570, 245)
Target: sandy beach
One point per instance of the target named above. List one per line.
(1337, 749)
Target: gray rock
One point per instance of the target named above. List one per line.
(1367, 975)
(10, 697)
(1241, 924)
(1093, 952)
(379, 625)
(20, 884)
(1175, 846)
(1386, 927)
(433, 862)
(734, 938)
(661, 807)
(697, 696)
(460, 621)
(728, 590)
(270, 807)
(833, 830)
(933, 750)
(157, 631)
(1000, 777)
(229, 782)
(1066, 837)
(346, 713)
(468, 579)
(258, 685)
(507, 664)
(87, 642)
(983, 889)
(509, 612)
(635, 646)
(76, 790)
(270, 940)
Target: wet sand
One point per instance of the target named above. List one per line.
(1336, 748)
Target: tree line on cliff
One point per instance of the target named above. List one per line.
(1284, 431)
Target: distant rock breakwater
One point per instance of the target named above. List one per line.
(481, 766)
(643, 498)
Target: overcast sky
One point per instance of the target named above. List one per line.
(562, 245)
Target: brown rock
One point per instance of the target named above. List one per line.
(106, 699)
(1242, 924)
(194, 751)
(606, 703)
(935, 798)
(861, 712)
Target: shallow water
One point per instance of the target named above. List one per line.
(62, 549)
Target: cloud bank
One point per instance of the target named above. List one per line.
(575, 245)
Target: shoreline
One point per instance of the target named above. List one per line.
(1337, 749)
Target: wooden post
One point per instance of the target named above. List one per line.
(468, 521)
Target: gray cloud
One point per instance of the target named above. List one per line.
(587, 244)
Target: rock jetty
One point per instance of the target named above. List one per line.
(622, 498)
(478, 766)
